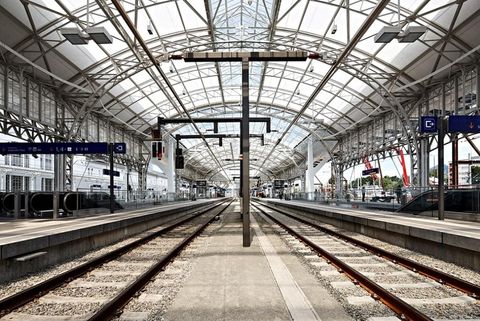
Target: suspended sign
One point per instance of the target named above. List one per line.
(370, 171)
(464, 124)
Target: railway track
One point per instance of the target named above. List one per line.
(440, 289)
(100, 288)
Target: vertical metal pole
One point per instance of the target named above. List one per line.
(110, 158)
(26, 206)
(245, 143)
(454, 182)
(56, 196)
(309, 179)
(128, 185)
(17, 204)
(441, 183)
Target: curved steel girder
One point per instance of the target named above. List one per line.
(200, 108)
(401, 114)
(336, 84)
(72, 17)
(343, 70)
(299, 32)
(312, 132)
(232, 103)
(307, 129)
(226, 153)
(215, 171)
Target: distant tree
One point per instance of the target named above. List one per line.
(475, 172)
(392, 182)
(368, 180)
(331, 181)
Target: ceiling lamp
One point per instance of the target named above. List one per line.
(412, 34)
(387, 34)
(334, 28)
(76, 37)
(100, 35)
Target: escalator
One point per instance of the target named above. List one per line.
(456, 200)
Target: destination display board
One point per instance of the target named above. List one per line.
(114, 173)
(60, 148)
(202, 183)
(370, 171)
(278, 183)
(463, 124)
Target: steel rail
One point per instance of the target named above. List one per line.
(469, 288)
(23, 297)
(397, 305)
(109, 311)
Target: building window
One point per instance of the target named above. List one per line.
(48, 162)
(47, 184)
(27, 161)
(16, 183)
(17, 160)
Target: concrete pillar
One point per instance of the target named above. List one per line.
(170, 169)
(17, 206)
(56, 197)
(59, 172)
(423, 162)
(310, 172)
(338, 181)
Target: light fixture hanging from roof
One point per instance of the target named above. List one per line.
(411, 34)
(388, 33)
(334, 28)
(76, 37)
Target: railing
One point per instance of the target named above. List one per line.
(460, 203)
(31, 204)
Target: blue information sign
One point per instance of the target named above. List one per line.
(464, 124)
(370, 171)
(60, 148)
(428, 124)
(120, 148)
(107, 172)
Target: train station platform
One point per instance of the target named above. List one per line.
(29, 244)
(451, 240)
(261, 282)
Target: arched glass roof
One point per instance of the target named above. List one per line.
(122, 83)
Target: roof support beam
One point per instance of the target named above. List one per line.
(350, 46)
(142, 43)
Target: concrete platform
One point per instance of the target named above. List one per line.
(450, 240)
(262, 282)
(29, 244)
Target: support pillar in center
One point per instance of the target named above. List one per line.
(245, 154)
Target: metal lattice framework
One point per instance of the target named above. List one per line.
(367, 107)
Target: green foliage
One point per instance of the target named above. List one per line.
(392, 182)
(368, 180)
(475, 172)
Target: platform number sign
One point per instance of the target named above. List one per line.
(428, 124)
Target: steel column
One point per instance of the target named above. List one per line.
(309, 173)
(441, 181)
(423, 162)
(245, 153)
(170, 169)
(454, 139)
(110, 158)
